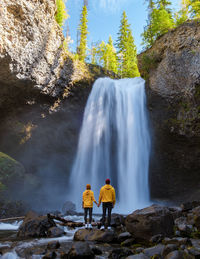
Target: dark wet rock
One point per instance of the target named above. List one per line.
(117, 220)
(196, 211)
(168, 249)
(69, 208)
(128, 242)
(186, 206)
(80, 250)
(177, 241)
(29, 251)
(97, 235)
(190, 218)
(50, 255)
(53, 245)
(182, 247)
(194, 252)
(55, 232)
(123, 236)
(153, 251)
(176, 212)
(180, 221)
(96, 250)
(183, 227)
(150, 221)
(138, 256)
(139, 250)
(35, 226)
(120, 253)
(178, 255)
(156, 239)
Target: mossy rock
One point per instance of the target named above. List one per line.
(11, 171)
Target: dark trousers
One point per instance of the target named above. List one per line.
(86, 210)
(107, 206)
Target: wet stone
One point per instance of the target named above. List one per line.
(155, 250)
(168, 249)
(138, 256)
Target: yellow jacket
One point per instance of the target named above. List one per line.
(88, 198)
(107, 194)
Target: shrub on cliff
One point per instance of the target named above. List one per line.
(11, 172)
(61, 13)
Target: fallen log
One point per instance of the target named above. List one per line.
(12, 219)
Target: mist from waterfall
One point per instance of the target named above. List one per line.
(114, 143)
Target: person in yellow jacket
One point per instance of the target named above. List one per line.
(87, 204)
(107, 197)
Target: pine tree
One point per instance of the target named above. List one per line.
(159, 22)
(61, 13)
(194, 7)
(182, 15)
(112, 56)
(127, 52)
(82, 48)
(94, 55)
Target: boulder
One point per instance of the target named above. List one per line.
(97, 235)
(154, 251)
(80, 250)
(138, 256)
(128, 242)
(55, 232)
(156, 239)
(123, 236)
(53, 245)
(183, 227)
(96, 250)
(186, 206)
(50, 255)
(168, 249)
(69, 208)
(178, 255)
(117, 220)
(120, 253)
(177, 241)
(35, 226)
(150, 221)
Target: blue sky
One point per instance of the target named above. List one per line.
(104, 18)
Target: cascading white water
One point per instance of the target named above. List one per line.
(114, 143)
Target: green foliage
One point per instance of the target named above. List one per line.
(159, 21)
(194, 8)
(94, 51)
(61, 13)
(10, 169)
(107, 55)
(127, 50)
(82, 48)
(182, 15)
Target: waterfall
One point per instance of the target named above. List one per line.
(114, 143)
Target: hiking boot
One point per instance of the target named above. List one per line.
(90, 226)
(102, 227)
(109, 228)
(86, 226)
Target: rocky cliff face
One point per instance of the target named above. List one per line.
(172, 70)
(36, 73)
(32, 57)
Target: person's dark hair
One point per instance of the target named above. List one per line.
(107, 181)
